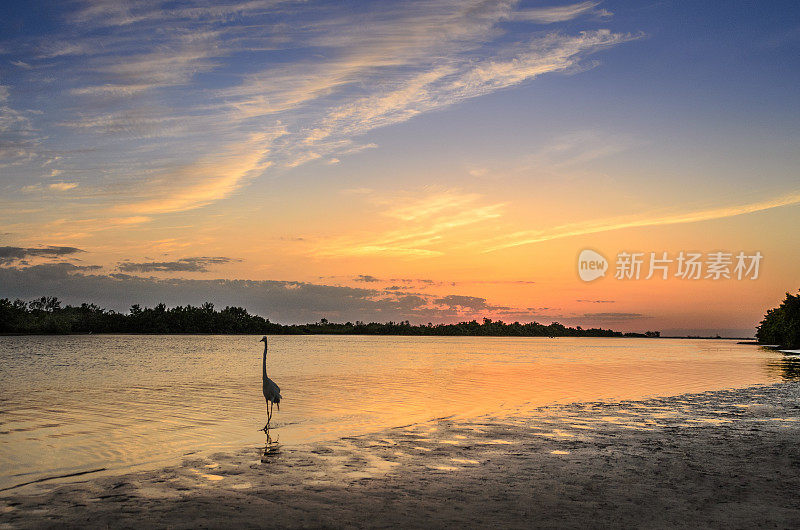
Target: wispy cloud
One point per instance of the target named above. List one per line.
(205, 180)
(188, 55)
(19, 141)
(21, 64)
(553, 14)
(614, 317)
(112, 13)
(566, 151)
(69, 229)
(63, 186)
(422, 225)
(596, 301)
(619, 223)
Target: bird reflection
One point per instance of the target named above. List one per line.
(271, 448)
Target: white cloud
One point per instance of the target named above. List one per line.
(552, 14)
(63, 186)
(176, 64)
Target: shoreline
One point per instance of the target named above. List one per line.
(720, 458)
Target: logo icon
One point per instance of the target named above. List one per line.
(591, 265)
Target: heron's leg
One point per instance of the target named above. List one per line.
(266, 427)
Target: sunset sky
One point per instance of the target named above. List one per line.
(431, 161)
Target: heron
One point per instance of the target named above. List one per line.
(272, 393)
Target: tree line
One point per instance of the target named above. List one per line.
(781, 325)
(46, 315)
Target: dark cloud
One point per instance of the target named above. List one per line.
(366, 278)
(396, 290)
(472, 303)
(47, 272)
(11, 254)
(411, 301)
(597, 301)
(196, 264)
(123, 276)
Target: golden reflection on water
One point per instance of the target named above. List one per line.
(80, 402)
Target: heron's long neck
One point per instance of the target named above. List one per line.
(264, 364)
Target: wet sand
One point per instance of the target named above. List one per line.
(716, 459)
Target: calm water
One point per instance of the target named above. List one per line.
(70, 404)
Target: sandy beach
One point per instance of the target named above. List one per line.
(715, 459)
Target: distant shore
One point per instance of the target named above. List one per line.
(719, 459)
(47, 316)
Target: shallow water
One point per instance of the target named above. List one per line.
(77, 403)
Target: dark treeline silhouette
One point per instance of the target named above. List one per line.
(781, 325)
(47, 316)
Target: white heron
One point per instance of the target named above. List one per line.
(272, 393)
